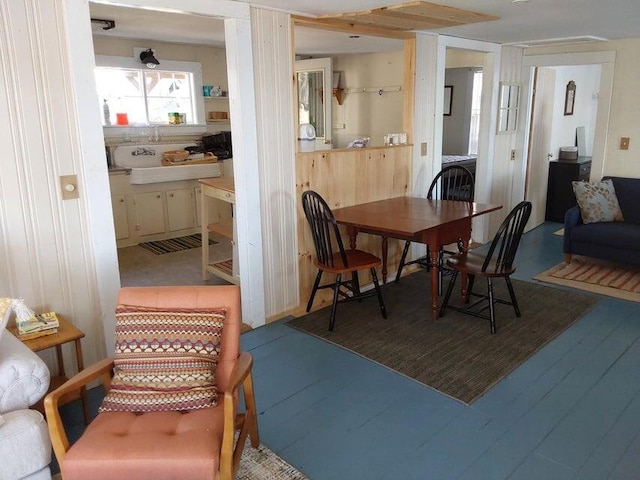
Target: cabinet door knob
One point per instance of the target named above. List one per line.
(171, 195)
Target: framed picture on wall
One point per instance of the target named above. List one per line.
(570, 98)
(448, 95)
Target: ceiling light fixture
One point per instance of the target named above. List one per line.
(149, 59)
(108, 24)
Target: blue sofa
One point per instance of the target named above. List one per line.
(614, 241)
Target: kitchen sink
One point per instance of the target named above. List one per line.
(145, 162)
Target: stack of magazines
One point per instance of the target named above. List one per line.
(37, 326)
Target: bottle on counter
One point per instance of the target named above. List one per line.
(106, 112)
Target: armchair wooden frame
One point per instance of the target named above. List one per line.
(235, 369)
(245, 422)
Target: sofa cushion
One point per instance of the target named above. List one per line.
(619, 235)
(164, 360)
(628, 193)
(25, 447)
(597, 201)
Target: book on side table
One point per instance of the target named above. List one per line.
(36, 326)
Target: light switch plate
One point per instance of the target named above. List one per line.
(423, 149)
(69, 187)
(624, 143)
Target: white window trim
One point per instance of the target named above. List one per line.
(195, 68)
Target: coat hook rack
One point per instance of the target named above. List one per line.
(379, 90)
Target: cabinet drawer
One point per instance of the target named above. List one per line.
(585, 170)
(223, 195)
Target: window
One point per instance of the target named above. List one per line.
(163, 96)
(508, 107)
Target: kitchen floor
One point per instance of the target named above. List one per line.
(140, 267)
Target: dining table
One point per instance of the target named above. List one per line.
(434, 223)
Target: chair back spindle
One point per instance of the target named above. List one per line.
(502, 251)
(452, 183)
(324, 229)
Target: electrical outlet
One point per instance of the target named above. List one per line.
(513, 155)
(624, 143)
(423, 149)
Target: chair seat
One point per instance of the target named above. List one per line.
(158, 445)
(471, 264)
(356, 259)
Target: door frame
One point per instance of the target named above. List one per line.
(489, 112)
(239, 51)
(606, 59)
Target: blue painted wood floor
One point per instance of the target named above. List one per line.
(571, 412)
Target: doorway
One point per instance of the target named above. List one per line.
(553, 127)
(601, 108)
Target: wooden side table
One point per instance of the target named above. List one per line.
(67, 332)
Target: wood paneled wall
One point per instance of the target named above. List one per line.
(347, 177)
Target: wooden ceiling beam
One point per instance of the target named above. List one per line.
(410, 16)
(351, 28)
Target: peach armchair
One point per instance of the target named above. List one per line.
(200, 444)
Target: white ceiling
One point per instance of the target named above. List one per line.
(520, 23)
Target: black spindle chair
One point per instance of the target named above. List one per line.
(498, 262)
(331, 257)
(451, 183)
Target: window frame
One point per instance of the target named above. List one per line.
(195, 68)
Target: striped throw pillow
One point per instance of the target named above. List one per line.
(164, 360)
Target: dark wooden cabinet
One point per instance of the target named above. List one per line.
(560, 196)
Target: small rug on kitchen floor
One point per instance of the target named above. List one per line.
(597, 276)
(455, 354)
(160, 247)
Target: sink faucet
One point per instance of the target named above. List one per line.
(143, 151)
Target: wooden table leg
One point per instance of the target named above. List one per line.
(83, 390)
(464, 279)
(434, 248)
(353, 233)
(385, 250)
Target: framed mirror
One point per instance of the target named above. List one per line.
(508, 107)
(570, 98)
(314, 82)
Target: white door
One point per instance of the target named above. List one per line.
(314, 82)
(540, 145)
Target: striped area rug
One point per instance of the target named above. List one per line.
(160, 247)
(606, 278)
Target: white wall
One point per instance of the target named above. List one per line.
(625, 104)
(368, 114)
(587, 79)
(455, 128)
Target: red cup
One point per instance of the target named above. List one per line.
(122, 119)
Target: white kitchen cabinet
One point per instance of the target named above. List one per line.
(180, 209)
(120, 217)
(149, 211)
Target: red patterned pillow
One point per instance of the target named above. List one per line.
(164, 360)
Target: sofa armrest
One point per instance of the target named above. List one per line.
(572, 218)
(24, 377)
